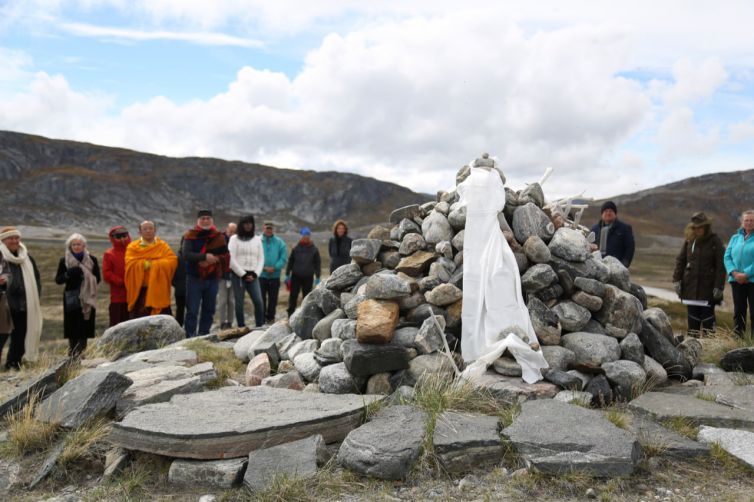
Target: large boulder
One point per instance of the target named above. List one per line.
(406, 212)
(306, 317)
(558, 358)
(336, 379)
(376, 321)
(411, 243)
(386, 287)
(536, 250)
(626, 377)
(530, 220)
(573, 317)
(344, 277)
(663, 351)
(618, 273)
(621, 310)
(592, 350)
(436, 228)
(145, 333)
(365, 251)
(443, 295)
(323, 329)
(538, 277)
(569, 244)
(369, 359)
(222, 474)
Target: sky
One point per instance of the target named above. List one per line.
(614, 96)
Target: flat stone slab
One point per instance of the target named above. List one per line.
(740, 397)
(558, 437)
(297, 459)
(43, 385)
(653, 435)
(662, 406)
(155, 392)
(232, 421)
(465, 441)
(515, 390)
(740, 444)
(207, 473)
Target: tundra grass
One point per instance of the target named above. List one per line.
(227, 365)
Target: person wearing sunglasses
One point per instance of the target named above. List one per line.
(114, 271)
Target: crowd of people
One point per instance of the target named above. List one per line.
(211, 270)
(216, 269)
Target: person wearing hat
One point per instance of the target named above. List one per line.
(303, 265)
(700, 273)
(114, 273)
(739, 267)
(612, 236)
(22, 285)
(207, 259)
(275, 256)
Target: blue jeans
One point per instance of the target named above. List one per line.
(200, 292)
(239, 286)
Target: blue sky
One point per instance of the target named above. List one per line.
(615, 97)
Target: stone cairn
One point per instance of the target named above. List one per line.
(385, 319)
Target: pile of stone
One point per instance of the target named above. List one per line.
(383, 320)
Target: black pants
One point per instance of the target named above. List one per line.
(743, 294)
(302, 284)
(270, 289)
(17, 340)
(701, 318)
(76, 346)
(180, 308)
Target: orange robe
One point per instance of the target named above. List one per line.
(157, 280)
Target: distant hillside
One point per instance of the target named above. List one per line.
(665, 210)
(72, 185)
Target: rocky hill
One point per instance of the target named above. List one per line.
(665, 210)
(72, 185)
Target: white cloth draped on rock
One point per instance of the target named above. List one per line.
(492, 299)
(33, 309)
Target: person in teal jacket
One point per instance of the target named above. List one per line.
(739, 264)
(275, 256)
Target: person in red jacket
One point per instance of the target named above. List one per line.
(114, 270)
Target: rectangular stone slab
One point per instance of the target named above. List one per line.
(661, 406)
(43, 385)
(232, 421)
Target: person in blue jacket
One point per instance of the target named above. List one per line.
(275, 256)
(612, 236)
(739, 264)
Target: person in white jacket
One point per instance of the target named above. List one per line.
(246, 262)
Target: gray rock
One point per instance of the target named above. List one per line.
(442, 207)
(507, 366)
(40, 387)
(379, 384)
(405, 337)
(308, 366)
(664, 406)
(590, 286)
(306, 317)
(86, 396)
(428, 283)
(351, 307)
(387, 287)
(329, 352)
(631, 349)
(286, 344)
(323, 329)
(409, 212)
(741, 359)
(538, 277)
(620, 309)
(435, 228)
(242, 345)
(532, 193)
(48, 464)
(563, 379)
(595, 327)
(536, 250)
(389, 259)
(618, 273)
(573, 317)
(145, 333)
(653, 435)
(336, 379)
(656, 374)
(569, 244)
(325, 299)
(514, 390)
(585, 378)
(660, 321)
(222, 474)
(590, 268)
(295, 460)
(445, 249)
(550, 295)
(436, 365)
(232, 421)
(739, 444)
(363, 359)
(464, 441)
(740, 397)
(273, 335)
(429, 338)
(290, 380)
(441, 270)
(626, 377)
(521, 262)
(411, 243)
(702, 369)
(558, 358)
(9, 475)
(302, 347)
(365, 251)
(344, 329)
(157, 385)
(557, 437)
(411, 302)
(422, 312)
(663, 351)
(591, 349)
(344, 277)
(443, 295)
(591, 302)
(530, 220)
(406, 227)
(387, 446)
(574, 397)
(457, 218)
(116, 460)
(268, 348)
(566, 282)
(545, 322)
(458, 240)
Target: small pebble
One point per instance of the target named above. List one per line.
(591, 493)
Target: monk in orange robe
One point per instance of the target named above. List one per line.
(150, 265)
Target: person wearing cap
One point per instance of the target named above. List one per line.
(114, 272)
(739, 267)
(226, 302)
(22, 285)
(339, 246)
(303, 265)
(246, 262)
(275, 256)
(207, 259)
(612, 236)
(700, 273)
(150, 265)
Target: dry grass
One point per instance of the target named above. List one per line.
(84, 443)
(616, 414)
(142, 479)
(705, 396)
(725, 340)
(26, 434)
(227, 365)
(683, 426)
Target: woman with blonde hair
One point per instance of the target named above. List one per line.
(739, 264)
(79, 271)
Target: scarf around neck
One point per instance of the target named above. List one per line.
(88, 288)
(33, 309)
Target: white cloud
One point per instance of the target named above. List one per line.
(680, 137)
(694, 81)
(742, 132)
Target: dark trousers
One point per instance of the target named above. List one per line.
(701, 318)
(180, 308)
(240, 288)
(743, 298)
(143, 310)
(118, 313)
(301, 284)
(200, 293)
(76, 346)
(17, 340)
(270, 289)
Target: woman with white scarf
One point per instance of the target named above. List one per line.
(21, 283)
(79, 271)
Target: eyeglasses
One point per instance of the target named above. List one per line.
(120, 236)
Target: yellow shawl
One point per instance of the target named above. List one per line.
(163, 265)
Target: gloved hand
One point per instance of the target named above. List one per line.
(677, 287)
(316, 282)
(717, 295)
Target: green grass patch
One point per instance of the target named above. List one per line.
(683, 426)
(705, 396)
(616, 414)
(227, 365)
